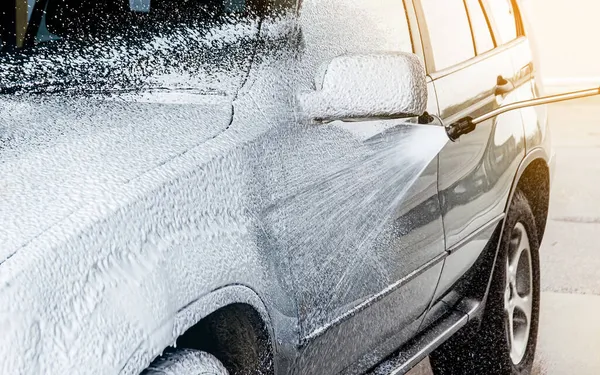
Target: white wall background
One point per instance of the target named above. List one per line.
(567, 34)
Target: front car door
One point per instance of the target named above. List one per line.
(473, 73)
(367, 252)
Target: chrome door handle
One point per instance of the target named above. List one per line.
(503, 86)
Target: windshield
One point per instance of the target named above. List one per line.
(129, 45)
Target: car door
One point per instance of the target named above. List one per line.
(367, 254)
(473, 73)
(512, 17)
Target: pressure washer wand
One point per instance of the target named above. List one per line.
(468, 124)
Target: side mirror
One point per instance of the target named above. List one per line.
(377, 86)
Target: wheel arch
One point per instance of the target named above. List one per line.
(533, 179)
(236, 328)
(219, 319)
(534, 169)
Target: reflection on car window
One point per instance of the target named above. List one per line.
(118, 44)
(449, 32)
(504, 17)
(36, 21)
(481, 30)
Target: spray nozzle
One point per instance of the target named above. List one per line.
(460, 127)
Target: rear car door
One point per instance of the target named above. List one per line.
(473, 74)
(368, 253)
(511, 27)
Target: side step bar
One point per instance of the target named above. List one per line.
(415, 351)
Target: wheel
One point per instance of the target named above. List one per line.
(186, 362)
(506, 340)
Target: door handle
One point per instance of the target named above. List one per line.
(503, 86)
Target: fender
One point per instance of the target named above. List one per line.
(194, 312)
(532, 155)
(475, 309)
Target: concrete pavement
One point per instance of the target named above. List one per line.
(569, 341)
(569, 337)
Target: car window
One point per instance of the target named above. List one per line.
(93, 45)
(361, 26)
(505, 18)
(449, 32)
(391, 16)
(481, 27)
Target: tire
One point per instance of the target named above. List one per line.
(515, 290)
(186, 362)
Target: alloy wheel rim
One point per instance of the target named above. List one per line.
(518, 293)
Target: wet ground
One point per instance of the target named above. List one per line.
(569, 339)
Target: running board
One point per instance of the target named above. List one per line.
(407, 358)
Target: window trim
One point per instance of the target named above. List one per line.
(10, 35)
(520, 28)
(518, 19)
(37, 15)
(414, 29)
(413, 33)
(471, 27)
(425, 40)
(489, 25)
(484, 56)
(428, 55)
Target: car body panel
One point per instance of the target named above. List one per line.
(150, 251)
(535, 119)
(538, 137)
(166, 235)
(476, 171)
(136, 214)
(236, 205)
(370, 282)
(83, 148)
(478, 166)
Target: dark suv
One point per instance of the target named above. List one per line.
(268, 187)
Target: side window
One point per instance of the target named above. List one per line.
(400, 28)
(449, 32)
(383, 24)
(100, 45)
(32, 22)
(481, 27)
(16, 19)
(354, 27)
(505, 18)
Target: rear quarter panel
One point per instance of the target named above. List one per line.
(535, 119)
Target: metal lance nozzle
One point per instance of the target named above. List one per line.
(468, 124)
